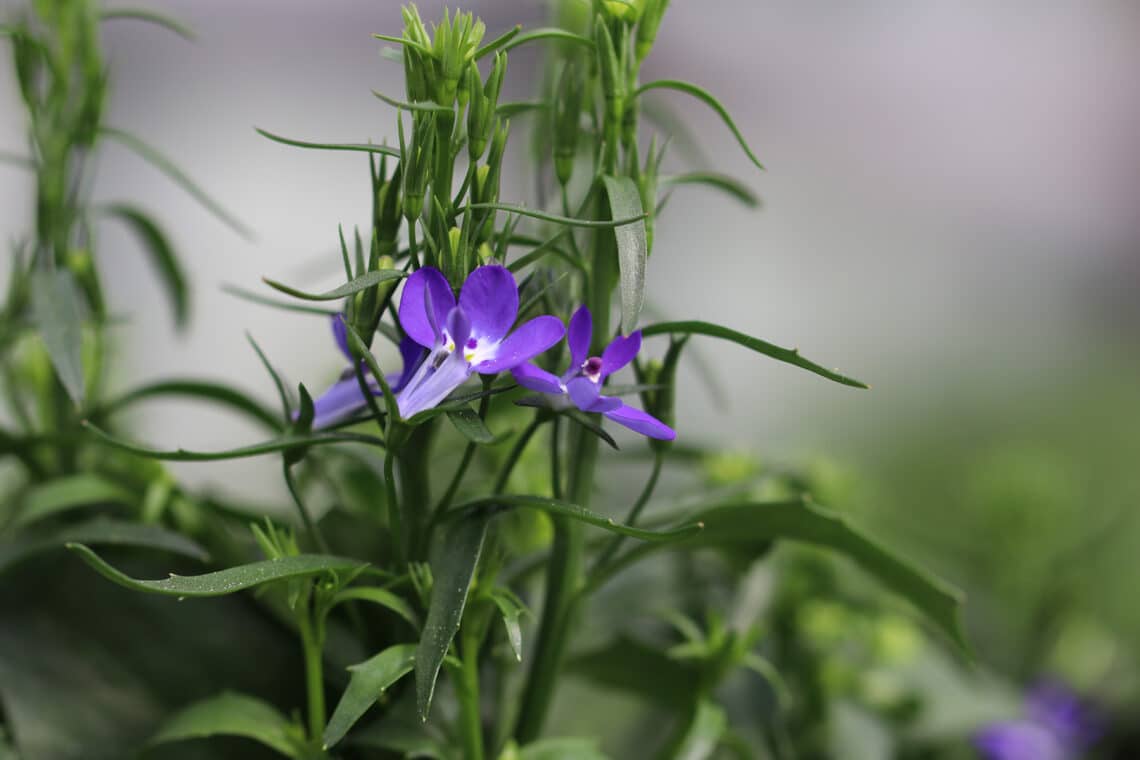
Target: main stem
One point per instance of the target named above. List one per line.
(312, 642)
(471, 721)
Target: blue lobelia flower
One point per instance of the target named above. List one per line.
(1056, 726)
(344, 398)
(582, 382)
(473, 335)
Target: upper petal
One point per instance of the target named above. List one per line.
(536, 379)
(620, 352)
(578, 336)
(458, 326)
(525, 343)
(425, 285)
(490, 296)
(640, 422)
(340, 335)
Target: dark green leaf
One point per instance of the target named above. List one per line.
(162, 256)
(58, 309)
(751, 523)
(382, 597)
(100, 531)
(625, 201)
(367, 682)
(567, 748)
(789, 355)
(69, 492)
(230, 714)
(707, 99)
(249, 295)
(179, 177)
(498, 42)
(723, 182)
(423, 107)
(707, 726)
(150, 17)
(547, 33)
(227, 581)
(205, 390)
(511, 608)
(357, 284)
(453, 567)
(554, 218)
(468, 423)
(590, 424)
(631, 666)
(361, 147)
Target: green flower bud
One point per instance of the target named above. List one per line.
(567, 120)
(485, 254)
(623, 10)
(651, 17)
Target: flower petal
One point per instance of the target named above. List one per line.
(340, 401)
(583, 392)
(605, 404)
(429, 386)
(490, 296)
(458, 326)
(578, 337)
(620, 352)
(536, 379)
(340, 335)
(525, 343)
(412, 354)
(640, 422)
(414, 317)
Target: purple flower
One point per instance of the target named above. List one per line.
(582, 382)
(344, 398)
(1056, 726)
(473, 335)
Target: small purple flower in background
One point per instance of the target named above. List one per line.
(473, 335)
(1057, 726)
(582, 382)
(344, 398)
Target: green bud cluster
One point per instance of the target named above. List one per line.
(436, 64)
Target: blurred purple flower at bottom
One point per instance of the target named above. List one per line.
(582, 383)
(344, 398)
(1056, 726)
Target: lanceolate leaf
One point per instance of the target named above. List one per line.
(205, 390)
(470, 425)
(358, 147)
(511, 608)
(453, 569)
(789, 355)
(747, 523)
(67, 493)
(367, 682)
(100, 531)
(150, 17)
(555, 218)
(707, 99)
(161, 253)
(357, 284)
(625, 201)
(549, 33)
(382, 597)
(722, 182)
(231, 714)
(57, 307)
(226, 581)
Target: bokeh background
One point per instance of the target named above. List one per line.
(951, 212)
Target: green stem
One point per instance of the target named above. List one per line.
(312, 642)
(395, 521)
(467, 691)
(311, 528)
(516, 453)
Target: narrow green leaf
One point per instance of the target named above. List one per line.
(562, 748)
(513, 109)
(468, 423)
(723, 182)
(382, 597)
(747, 524)
(58, 309)
(587, 422)
(367, 682)
(257, 298)
(359, 348)
(179, 177)
(228, 581)
(511, 608)
(498, 42)
(788, 355)
(67, 493)
(625, 201)
(229, 714)
(424, 106)
(100, 531)
(257, 449)
(204, 390)
(355, 285)
(706, 98)
(492, 505)
(150, 17)
(547, 33)
(706, 728)
(162, 256)
(283, 394)
(553, 218)
(453, 567)
(359, 147)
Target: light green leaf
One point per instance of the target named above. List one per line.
(358, 147)
(547, 33)
(788, 355)
(205, 390)
(625, 201)
(150, 17)
(707, 99)
(723, 182)
(230, 714)
(367, 682)
(58, 310)
(162, 256)
(746, 524)
(100, 531)
(227, 581)
(357, 284)
(382, 597)
(511, 608)
(554, 218)
(468, 423)
(424, 107)
(453, 567)
(69, 492)
(706, 728)
(562, 748)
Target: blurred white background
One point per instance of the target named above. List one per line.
(951, 196)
